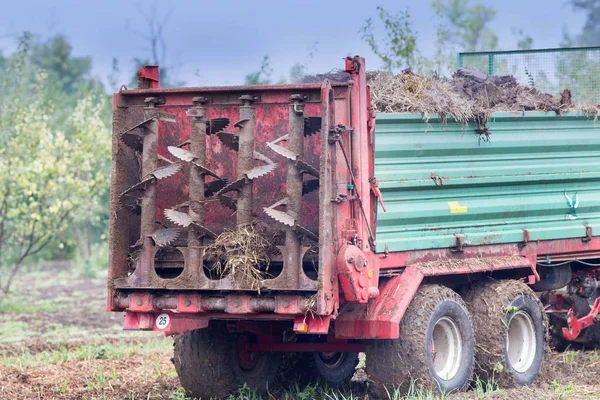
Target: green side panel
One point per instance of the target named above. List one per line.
(438, 180)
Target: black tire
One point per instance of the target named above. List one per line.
(335, 369)
(206, 361)
(412, 358)
(502, 310)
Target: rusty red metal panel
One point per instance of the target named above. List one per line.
(148, 77)
(380, 318)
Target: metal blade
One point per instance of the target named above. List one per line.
(167, 117)
(178, 217)
(235, 185)
(306, 168)
(132, 140)
(182, 154)
(227, 202)
(206, 171)
(261, 157)
(310, 186)
(216, 125)
(165, 159)
(280, 216)
(164, 172)
(312, 125)
(230, 140)
(204, 230)
(141, 186)
(305, 232)
(241, 122)
(144, 122)
(184, 143)
(282, 151)
(211, 188)
(165, 236)
(260, 171)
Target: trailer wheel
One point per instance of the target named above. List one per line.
(510, 331)
(435, 348)
(335, 369)
(258, 371)
(210, 364)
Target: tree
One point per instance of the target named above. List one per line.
(156, 47)
(398, 48)
(590, 36)
(47, 175)
(262, 76)
(467, 24)
(55, 57)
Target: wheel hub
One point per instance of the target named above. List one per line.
(521, 345)
(446, 346)
(247, 360)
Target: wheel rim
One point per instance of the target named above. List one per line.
(520, 341)
(247, 360)
(331, 360)
(446, 349)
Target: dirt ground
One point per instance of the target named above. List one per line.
(57, 342)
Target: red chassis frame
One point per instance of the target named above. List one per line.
(351, 295)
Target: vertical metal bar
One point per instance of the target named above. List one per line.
(294, 188)
(149, 164)
(328, 299)
(197, 115)
(245, 160)
(491, 65)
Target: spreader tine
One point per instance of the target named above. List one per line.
(230, 140)
(216, 125)
(165, 159)
(141, 186)
(306, 168)
(227, 202)
(164, 172)
(235, 185)
(240, 124)
(178, 217)
(132, 140)
(211, 188)
(260, 171)
(144, 122)
(310, 186)
(280, 216)
(261, 157)
(206, 171)
(167, 117)
(165, 236)
(203, 230)
(182, 154)
(283, 151)
(312, 125)
(305, 232)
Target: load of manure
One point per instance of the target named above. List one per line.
(470, 94)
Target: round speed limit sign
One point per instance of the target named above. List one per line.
(162, 321)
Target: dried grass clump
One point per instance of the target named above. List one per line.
(242, 253)
(409, 92)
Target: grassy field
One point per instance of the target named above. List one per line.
(58, 342)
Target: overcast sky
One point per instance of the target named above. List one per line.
(219, 42)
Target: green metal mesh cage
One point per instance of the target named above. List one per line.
(548, 70)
